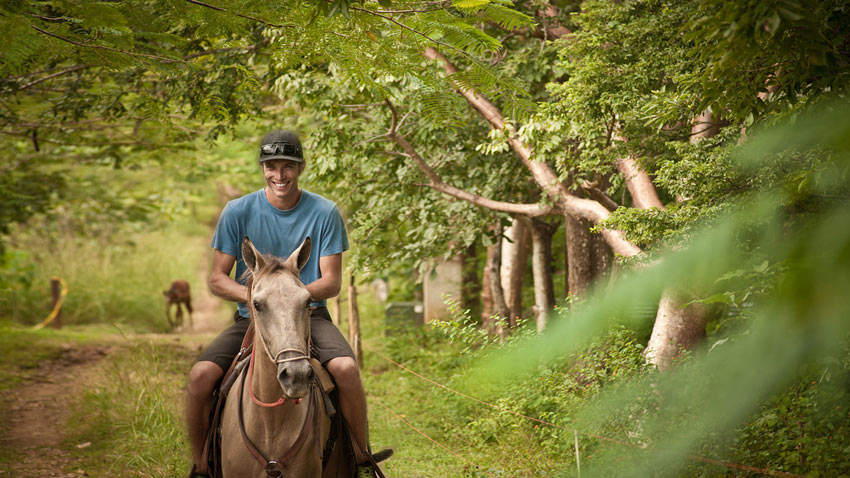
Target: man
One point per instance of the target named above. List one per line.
(277, 218)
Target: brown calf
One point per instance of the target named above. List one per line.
(178, 294)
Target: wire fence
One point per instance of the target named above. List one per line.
(699, 458)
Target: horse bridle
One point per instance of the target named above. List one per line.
(274, 468)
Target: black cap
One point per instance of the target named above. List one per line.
(281, 144)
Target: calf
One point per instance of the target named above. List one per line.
(178, 294)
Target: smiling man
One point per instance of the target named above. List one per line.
(278, 218)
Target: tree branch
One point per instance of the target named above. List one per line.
(436, 183)
(402, 25)
(640, 185)
(247, 17)
(54, 75)
(544, 175)
(107, 48)
(599, 195)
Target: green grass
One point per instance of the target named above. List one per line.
(107, 283)
(25, 349)
(132, 413)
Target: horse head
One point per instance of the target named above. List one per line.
(279, 303)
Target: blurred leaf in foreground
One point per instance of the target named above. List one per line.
(796, 242)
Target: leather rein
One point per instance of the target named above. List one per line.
(274, 468)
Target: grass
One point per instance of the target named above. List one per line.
(107, 283)
(132, 413)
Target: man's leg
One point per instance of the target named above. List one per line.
(202, 379)
(352, 400)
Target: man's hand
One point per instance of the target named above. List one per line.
(330, 283)
(220, 282)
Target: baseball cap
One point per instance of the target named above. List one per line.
(281, 144)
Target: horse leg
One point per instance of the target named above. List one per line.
(168, 315)
(189, 308)
(179, 318)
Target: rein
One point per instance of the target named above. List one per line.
(280, 401)
(273, 468)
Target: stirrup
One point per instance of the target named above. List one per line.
(382, 455)
(195, 474)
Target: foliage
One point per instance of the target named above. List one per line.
(118, 279)
(142, 85)
(797, 329)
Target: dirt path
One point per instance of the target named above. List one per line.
(34, 429)
(36, 408)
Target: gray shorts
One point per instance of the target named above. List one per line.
(327, 340)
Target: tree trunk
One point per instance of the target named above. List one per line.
(514, 260)
(579, 258)
(602, 257)
(544, 293)
(676, 328)
(486, 292)
(471, 284)
(500, 308)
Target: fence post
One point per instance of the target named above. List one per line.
(354, 322)
(55, 294)
(578, 455)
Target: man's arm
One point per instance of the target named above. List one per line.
(329, 284)
(220, 282)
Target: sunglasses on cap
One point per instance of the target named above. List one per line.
(285, 149)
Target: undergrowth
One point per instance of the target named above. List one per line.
(132, 414)
(116, 282)
(603, 400)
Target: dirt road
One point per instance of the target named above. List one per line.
(33, 435)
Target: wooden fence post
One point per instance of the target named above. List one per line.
(354, 323)
(55, 294)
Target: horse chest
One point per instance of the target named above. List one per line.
(273, 431)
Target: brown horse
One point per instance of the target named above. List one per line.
(178, 294)
(274, 421)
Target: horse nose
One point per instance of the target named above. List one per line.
(294, 377)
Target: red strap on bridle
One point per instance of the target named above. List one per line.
(280, 401)
(273, 468)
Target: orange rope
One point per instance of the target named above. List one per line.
(56, 308)
(714, 461)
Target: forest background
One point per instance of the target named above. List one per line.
(664, 185)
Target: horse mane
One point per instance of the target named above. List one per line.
(271, 264)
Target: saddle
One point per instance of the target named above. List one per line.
(338, 458)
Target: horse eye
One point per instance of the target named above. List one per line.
(258, 306)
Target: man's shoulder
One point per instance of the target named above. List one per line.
(242, 203)
(319, 202)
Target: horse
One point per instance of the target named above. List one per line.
(178, 294)
(274, 422)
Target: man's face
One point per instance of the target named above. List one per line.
(282, 178)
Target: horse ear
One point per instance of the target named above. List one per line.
(252, 257)
(299, 256)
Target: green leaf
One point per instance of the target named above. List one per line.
(469, 4)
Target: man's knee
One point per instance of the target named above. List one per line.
(344, 371)
(203, 377)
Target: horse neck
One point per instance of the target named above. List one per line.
(265, 384)
(274, 428)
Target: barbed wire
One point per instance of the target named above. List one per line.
(403, 420)
(704, 459)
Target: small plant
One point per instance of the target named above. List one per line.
(462, 328)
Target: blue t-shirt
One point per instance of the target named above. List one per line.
(277, 232)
